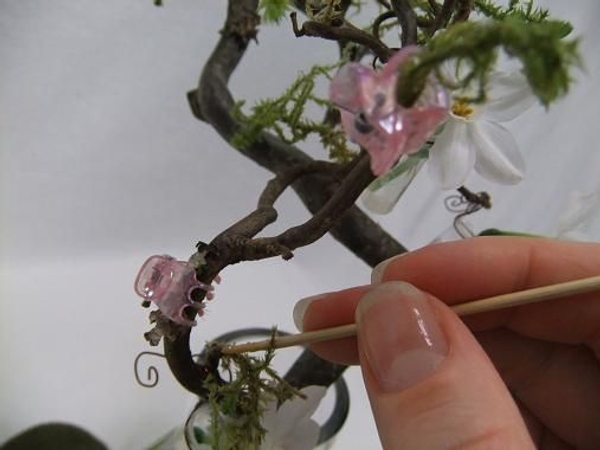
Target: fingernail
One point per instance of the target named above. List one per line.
(399, 335)
(377, 273)
(300, 308)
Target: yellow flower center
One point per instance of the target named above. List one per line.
(462, 109)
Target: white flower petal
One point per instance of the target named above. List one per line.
(461, 229)
(451, 158)
(302, 408)
(291, 416)
(303, 437)
(509, 95)
(498, 157)
(270, 417)
(582, 208)
(383, 200)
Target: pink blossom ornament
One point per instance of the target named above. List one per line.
(372, 117)
(169, 284)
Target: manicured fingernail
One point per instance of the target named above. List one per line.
(399, 335)
(377, 273)
(300, 308)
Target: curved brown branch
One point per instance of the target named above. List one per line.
(212, 102)
(238, 243)
(463, 10)
(376, 27)
(443, 16)
(408, 21)
(277, 185)
(343, 32)
(342, 199)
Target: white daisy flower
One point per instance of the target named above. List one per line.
(473, 137)
(290, 426)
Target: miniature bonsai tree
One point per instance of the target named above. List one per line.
(419, 86)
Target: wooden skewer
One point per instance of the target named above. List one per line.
(487, 304)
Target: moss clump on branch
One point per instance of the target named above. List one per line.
(525, 11)
(285, 116)
(237, 406)
(520, 29)
(546, 57)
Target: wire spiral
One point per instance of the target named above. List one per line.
(464, 204)
(152, 375)
(456, 203)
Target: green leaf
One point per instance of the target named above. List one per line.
(272, 11)
(201, 436)
(497, 232)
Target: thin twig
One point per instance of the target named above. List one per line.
(463, 10)
(408, 21)
(434, 6)
(443, 16)
(344, 32)
(478, 306)
(375, 29)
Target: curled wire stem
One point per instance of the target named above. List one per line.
(152, 372)
(461, 228)
(456, 203)
(376, 28)
(464, 204)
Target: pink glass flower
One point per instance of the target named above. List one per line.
(169, 284)
(372, 118)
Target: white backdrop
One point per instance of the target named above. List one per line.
(102, 165)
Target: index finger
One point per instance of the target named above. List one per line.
(463, 271)
(468, 270)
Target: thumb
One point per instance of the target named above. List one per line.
(429, 382)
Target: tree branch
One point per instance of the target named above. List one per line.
(212, 102)
(408, 21)
(343, 32)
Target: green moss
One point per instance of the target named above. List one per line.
(525, 11)
(272, 11)
(285, 116)
(237, 406)
(546, 57)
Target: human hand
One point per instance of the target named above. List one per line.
(436, 381)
